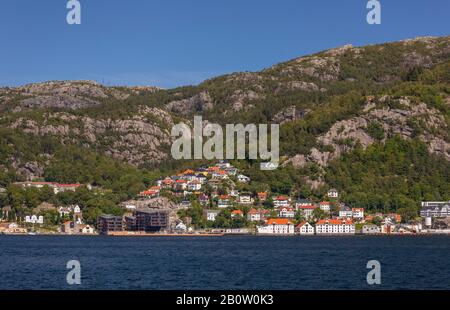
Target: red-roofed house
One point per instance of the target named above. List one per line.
(335, 227)
(224, 201)
(237, 213)
(262, 196)
(281, 201)
(325, 206)
(255, 215)
(277, 227)
(194, 186)
(180, 185)
(358, 213)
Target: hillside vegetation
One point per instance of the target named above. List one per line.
(373, 122)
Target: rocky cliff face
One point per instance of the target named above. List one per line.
(344, 135)
(133, 123)
(137, 139)
(68, 94)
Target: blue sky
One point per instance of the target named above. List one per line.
(169, 43)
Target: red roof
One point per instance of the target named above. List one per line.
(68, 185)
(279, 222)
(237, 212)
(224, 197)
(281, 198)
(310, 207)
(334, 222)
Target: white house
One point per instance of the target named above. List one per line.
(307, 211)
(257, 215)
(301, 203)
(277, 227)
(335, 227)
(245, 199)
(281, 201)
(194, 186)
(34, 219)
(325, 206)
(243, 179)
(211, 215)
(358, 213)
(345, 212)
(64, 211)
(304, 228)
(253, 215)
(236, 214)
(85, 229)
(333, 193)
(181, 227)
(224, 201)
(286, 212)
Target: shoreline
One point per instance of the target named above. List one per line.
(125, 234)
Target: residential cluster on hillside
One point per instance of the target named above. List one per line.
(227, 210)
(208, 200)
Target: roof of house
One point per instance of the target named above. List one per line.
(302, 224)
(281, 198)
(308, 207)
(237, 212)
(279, 222)
(334, 222)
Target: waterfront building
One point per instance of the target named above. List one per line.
(335, 226)
(277, 227)
(34, 219)
(304, 228)
(130, 223)
(435, 209)
(12, 228)
(109, 223)
(151, 220)
(371, 229)
(85, 229)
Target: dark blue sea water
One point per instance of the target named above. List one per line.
(39, 262)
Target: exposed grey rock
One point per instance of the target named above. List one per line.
(289, 114)
(198, 103)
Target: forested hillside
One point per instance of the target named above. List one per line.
(373, 122)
